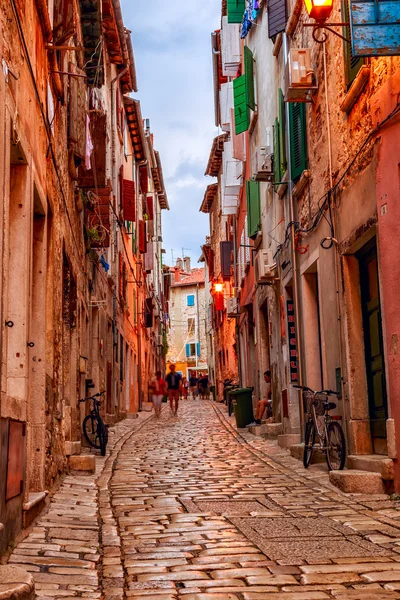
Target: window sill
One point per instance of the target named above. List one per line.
(355, 89)
(301, 184)
(277, 46)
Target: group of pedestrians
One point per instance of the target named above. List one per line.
(174, 386)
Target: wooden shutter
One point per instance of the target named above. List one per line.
(198, 348)
(187, 350)
(128, 200)
(226, 260)
(149, 312)
(253, 207)
(77, 112)
(150, 207)
(282, 131)
(298, 140)
(144, 179)
(142, 237)
(235, 10)
(277, 17)
(15, 459)
(375, 28)
(277, 156)
(249, 74)
(352, 64)
(64, 25)
(242, 116)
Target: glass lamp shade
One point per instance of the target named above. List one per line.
(320, 10)
(218, 287)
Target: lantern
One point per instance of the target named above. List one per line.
(218, 287)
(320, 10)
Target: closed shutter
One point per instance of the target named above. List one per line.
(235, 10)
(242, 116)
(298, 140)
(198, 348)
(277, 17)
(144, 179)
(351, 64)
(277, 157)
(249, 75)
(77, 112)
(150, 207)
(64, 25)
(128, 200)
(190, 300)
(282, 131)
(253, 207)
(142, 237)
(226, 261)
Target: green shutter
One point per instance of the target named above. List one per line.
(282, 131)
(242, 116)
(249, 74)
(253, 207)
(277, 155)
(298, 140)
(235, 11)
(351, 64)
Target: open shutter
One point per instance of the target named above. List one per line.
(142, 237)
(226, 262)
(298, 140)
(253, 207)
(144, 179)
(242, 116)
(282, 131)
(249, 74)
(375, 28)
(187, 350)
(277, 17)
(128, 200)
(77, 112)
(235, 10)
(352, 64)
(64, 25)
(150, 207)
(198, 348)
(277, 154)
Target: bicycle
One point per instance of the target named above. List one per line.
(93, 426)
(331, 440)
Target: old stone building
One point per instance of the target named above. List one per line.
(311, 188)
(82, 306)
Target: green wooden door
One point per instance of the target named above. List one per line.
(373, 340)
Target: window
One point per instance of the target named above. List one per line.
(191, 326)
(279, 140)
(253, 207)
(351, 64)
(244, 94)
(193, 350)
(298, 139)
(190, 300)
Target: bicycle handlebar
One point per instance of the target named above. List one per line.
(307, 389)
(92, 397)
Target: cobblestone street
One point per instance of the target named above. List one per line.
(191, 509)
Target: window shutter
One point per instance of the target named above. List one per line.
(77, 112)
(198, 348)
(150, 207)
(298, 141)
(235, 11)
(226, 262)
(282, 131)
(188, 350)
(64, 25)
(242, 117)
(149, 312)
(249, 74)
(144, 179)
(128, 200)
(253, 207)
(190, 300)
(351, 64)
(277, 157)
(277, 17)
(142, 237)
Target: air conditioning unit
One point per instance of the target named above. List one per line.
(232, 307)
(263, 164)
(264, 266)
(301, 80)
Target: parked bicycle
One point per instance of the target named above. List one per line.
(321, 426)
(93, 426)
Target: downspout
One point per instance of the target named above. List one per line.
(235, 283)
(44, 18)
(294, 257)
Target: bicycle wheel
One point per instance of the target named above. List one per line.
(309, 441)
(336, 447)
(103, 438)
(90, 428)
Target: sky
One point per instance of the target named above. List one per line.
(172, 47)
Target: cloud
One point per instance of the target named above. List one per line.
(173, 61)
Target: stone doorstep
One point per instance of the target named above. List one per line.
(72, 447)
(375, 463)
(257, 429)
(272, 430)
(297, 451)
(353, 481)
(16, 584)
(288, 439)
(33, 507)
(82, 462)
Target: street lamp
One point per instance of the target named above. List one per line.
(218, 287)
(321, 10)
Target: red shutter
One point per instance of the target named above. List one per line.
(150, 207)
(142, 237)
(128, 200)
(64, 21)
(219, 301)
(144, 179)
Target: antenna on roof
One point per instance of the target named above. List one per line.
(183, 251)
(172, 257)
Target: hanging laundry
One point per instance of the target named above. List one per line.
(104, 263)
(249, 17)
(89, 145)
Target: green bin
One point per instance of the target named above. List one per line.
(243, 406)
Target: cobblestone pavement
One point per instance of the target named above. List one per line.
(191, 509)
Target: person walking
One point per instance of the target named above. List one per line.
(174, 383)
(185, 388)
(158, 386)
(193, 385)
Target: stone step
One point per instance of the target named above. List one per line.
(375, 463)
(272, 430)
(353, 481)
(288, 439)
(297, 450)
(16, 584)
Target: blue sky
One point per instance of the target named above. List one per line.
(171, 42)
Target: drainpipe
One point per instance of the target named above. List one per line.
(235, 283)
(296, 295)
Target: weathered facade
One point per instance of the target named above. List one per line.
(315, 220)
(82, 303)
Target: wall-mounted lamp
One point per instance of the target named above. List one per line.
(321, 10)
(218, 287)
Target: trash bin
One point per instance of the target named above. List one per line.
(243, 406)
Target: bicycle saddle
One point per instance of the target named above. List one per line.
(330, 405)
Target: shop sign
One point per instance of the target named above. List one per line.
(292, 339)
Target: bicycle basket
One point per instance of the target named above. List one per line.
(318, 400)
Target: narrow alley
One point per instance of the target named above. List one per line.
(191, 508)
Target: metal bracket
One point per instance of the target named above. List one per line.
(30, 344)
(328, 26)
(9, 323)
